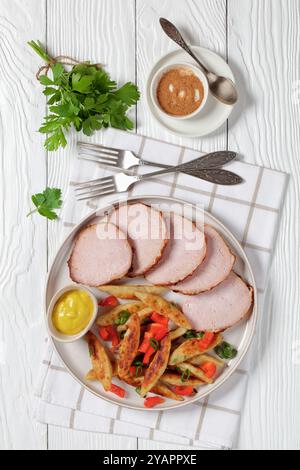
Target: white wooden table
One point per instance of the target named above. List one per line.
(261, 39)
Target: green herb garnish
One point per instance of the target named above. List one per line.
(122, 317)
(139, 366)
(137, 362)
(154, 343)
(84, 98)
(226, 351)
(185, 375)
(138, 390)
(193, 334)
(46, 203)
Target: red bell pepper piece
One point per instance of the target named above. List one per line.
(150, 402)
(120, 392)
(113, 335)
(145, 345)
(110, 301)
(209, 369)
(158, 331)
(185, 391)
(148, 355)
(104, 333)
(157, 318)
(136, 371)
(206, 340)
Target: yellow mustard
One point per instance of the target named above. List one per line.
(72, 312)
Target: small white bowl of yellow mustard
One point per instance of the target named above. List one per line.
(71, 313)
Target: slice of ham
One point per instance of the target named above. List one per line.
(101, 254)
(183, 254)
(221, 307)
(215, 268)
(147, 233)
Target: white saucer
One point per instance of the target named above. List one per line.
(214, 113)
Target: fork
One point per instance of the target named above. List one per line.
(125, 159)
(122, 182)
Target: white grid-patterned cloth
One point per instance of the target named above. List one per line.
(252, 212)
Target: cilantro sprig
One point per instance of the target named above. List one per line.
(84, 98)
(47, 202)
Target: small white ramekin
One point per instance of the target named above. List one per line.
(57, 335)
(166, 68)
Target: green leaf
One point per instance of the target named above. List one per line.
(89, 103)
(54, 98)
(44, 80)
(103, 83)
(49, 91)
(38, 199)
(91, 124)
(83, 85)
(57, 71)
(65, 110)
(55, 140)
(51, 215)
(46, 202)
(77, 123)
(226, 351)
(128, 94)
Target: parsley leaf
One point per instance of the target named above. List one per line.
(226, 351)
(46, 203)
(84, 98)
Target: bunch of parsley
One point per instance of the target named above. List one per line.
(84, 98)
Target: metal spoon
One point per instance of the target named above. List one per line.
(222, 88)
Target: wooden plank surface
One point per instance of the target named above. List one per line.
(264, 48)
(22, 240)
(262, 40)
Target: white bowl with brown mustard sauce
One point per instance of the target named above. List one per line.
(179, 90)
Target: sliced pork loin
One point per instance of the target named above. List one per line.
(221, 307)
(101, 254)
(147, 234)
(184, 253)
(215, 268)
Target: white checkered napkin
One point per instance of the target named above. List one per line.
(256, 204)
